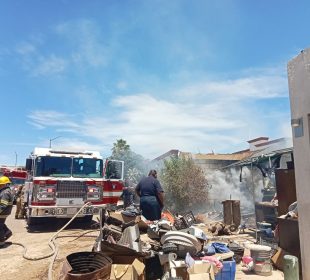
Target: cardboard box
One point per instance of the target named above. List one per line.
(277, 258)
(201, 271)
(181, 272)
(177, 268)
(127, 268)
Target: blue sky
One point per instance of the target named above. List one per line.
(191, 75)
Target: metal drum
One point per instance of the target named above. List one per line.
(86, 266)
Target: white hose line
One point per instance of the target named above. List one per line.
(54, 245)
(51, 244)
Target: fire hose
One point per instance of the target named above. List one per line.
(51, 244)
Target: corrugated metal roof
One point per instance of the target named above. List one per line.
(261, 155)
(275, 147)
(212, 156)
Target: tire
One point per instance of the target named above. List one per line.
(169, 248)
(87, 219)
(233, 227)
(31, 221)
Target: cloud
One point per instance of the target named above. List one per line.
(204, 116)
(152, 114)
(43, 119)
(36, 125)
(80, 46)
(25, 48)
(87, 48)
(49, 66)
(73, 144)
(255, 87)
(121, 85)
(150, 125)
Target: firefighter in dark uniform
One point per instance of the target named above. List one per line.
(151, 196)
(6, 204)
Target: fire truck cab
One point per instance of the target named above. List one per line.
(60, 182)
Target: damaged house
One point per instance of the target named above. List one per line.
(274, 160)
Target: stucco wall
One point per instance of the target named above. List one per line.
(299, 89)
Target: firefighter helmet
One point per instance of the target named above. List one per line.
(4, 180)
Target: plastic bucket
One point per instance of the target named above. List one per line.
(263, 268)
(260, 252)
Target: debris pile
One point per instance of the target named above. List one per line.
(177, 247)
(174, 247)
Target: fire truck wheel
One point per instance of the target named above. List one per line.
(87, 219)
(31, 221)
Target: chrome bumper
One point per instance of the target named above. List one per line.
(64, 211)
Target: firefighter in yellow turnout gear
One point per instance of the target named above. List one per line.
(6, 204)
(20, 205)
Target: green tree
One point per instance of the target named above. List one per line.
(134, 164)
(120, 149)
(184, 183)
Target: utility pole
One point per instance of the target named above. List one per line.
(52, 139)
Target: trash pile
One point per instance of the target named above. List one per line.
(174, 247)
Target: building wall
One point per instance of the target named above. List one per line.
(212, 164)
(299, 89)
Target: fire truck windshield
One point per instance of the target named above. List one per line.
(67, 167)
(87, 167)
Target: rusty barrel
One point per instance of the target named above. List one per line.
(86, 266)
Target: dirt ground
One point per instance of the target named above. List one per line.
(14, 266)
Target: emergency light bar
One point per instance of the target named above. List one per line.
(71, 153)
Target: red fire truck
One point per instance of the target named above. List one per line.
(17, 176)
(60, 182)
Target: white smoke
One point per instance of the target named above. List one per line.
(228, 184)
